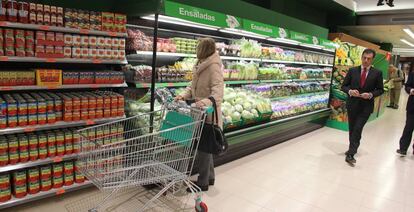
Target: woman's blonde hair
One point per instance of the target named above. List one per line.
(205, 48)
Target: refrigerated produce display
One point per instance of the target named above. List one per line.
(277, 82)
(60, 72)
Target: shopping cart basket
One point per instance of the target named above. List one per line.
(151, 148)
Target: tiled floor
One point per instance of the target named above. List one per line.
(309, 174)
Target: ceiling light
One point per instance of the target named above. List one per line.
(409, 32)
(406, 42)
(283, 40)
(178, 21)
(242, 33)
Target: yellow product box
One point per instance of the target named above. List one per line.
(49, 77)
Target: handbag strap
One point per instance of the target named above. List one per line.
(215, 114)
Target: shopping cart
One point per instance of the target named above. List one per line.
(147, 149)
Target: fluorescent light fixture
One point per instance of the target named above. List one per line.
(406, 42)
(242, 33)
(409, 32)
(284, 40)
(178, 21)
(312, 46)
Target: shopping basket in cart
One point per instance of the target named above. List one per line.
(151, 148)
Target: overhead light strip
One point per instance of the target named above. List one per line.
(406, 42)
(409, 32)
(283, 40)
(242, 33)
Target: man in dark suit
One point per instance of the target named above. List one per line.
(362, 84)
(406, 137)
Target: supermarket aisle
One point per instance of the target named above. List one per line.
(309, 174)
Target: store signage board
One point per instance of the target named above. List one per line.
(201, 16)
(304, 38)
(328, 44)
(260, 28)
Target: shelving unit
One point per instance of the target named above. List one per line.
(60, 60)
(60, 29)
(38, 162)
(239, 82)
(146, 54)
(298, 95)
(74, 86)
(45, 194)
(57, 125)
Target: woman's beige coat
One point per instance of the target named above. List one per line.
(207, 81)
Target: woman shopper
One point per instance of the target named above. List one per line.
(207, 82)
(396, 78)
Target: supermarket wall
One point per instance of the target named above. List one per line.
(249, 11)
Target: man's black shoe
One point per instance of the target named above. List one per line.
(402, 153)
(350, 160)
(395, 107)
(390, 106)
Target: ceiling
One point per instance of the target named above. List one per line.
(363, 6)
(382, 34)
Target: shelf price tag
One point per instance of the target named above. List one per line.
(84, 31)
(6, 88)
(51, 60)
(113, 34)
(44, 27)
(90, 122)
(57, 159)
(29, 129)
(170, 84)
(60, 191)
(4, 58)
(96, 61)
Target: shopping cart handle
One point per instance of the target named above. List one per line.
(209, 109)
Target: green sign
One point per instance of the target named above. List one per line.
(304, 38)
(327, 43)
(201, 16)
(260, 28)
(282, 33)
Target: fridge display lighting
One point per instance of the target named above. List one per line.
(311, 46)
(284, 40)
(177, 21)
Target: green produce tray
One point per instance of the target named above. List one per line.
(265, 116)
(250, 121)
(233, 125)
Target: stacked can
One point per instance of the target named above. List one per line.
(4, 151)
(5, 191)
(33, 182)
(20, 184)
(33, 147)
(57, 179)
(13, 149)
(9, 42)
(23, 148)
(20, 41)
(79, 177)
(68, 173)
(45, 178)
(1, 40)
(43, 147)
(51, 143)
(60, 142)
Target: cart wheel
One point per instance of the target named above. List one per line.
(203, 207)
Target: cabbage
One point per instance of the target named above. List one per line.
(247, 115)
(228, 119)
(247, 106)
(239, 101)
(255, 113)
(238, 108)
(236, 116)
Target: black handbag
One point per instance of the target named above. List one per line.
(212, 138)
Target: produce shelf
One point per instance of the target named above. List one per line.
(297, 95)
(74, 86)
(172, 54)
(45, 194)
(57, 125)
(312, 79)
(61, 29)
(59, 60)
(39, 162)
(242, 82)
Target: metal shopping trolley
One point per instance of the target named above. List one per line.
(133, 152)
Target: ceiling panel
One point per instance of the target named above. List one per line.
(371, 5)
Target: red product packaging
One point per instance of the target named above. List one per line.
(32, 13)
(59, 37)
(114, 112)
(91, 114)
(40, 49)
(3, 10)
(115, 43)
(121, 44)
(49, 49)
(121, 54)
(50, 36)
(33, 187)
(59, 20)
(46, 8)
(108, 54)
(12, 10)
(19, 36)
(40, 35)
(84, 41)
(100, 42)
(46, 19)
(59, 50)
(93, 53)
(99, 114)
(68, 38)
(53, 20)
(84, 115)
(20, 52)
(107, 113)
(33, 174)
(4, 158)
(93, 41)
(45, 172)
(85, 53)
(115, 54)
(9, 37)
(101, 54)
(39, 8)
(67, 52)
(76, 103)
(23, 14)
(39, 18)
(76, 40)
(29, 36)
(76, 52)
(108, 43)
(68, 116)
(76, 116)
